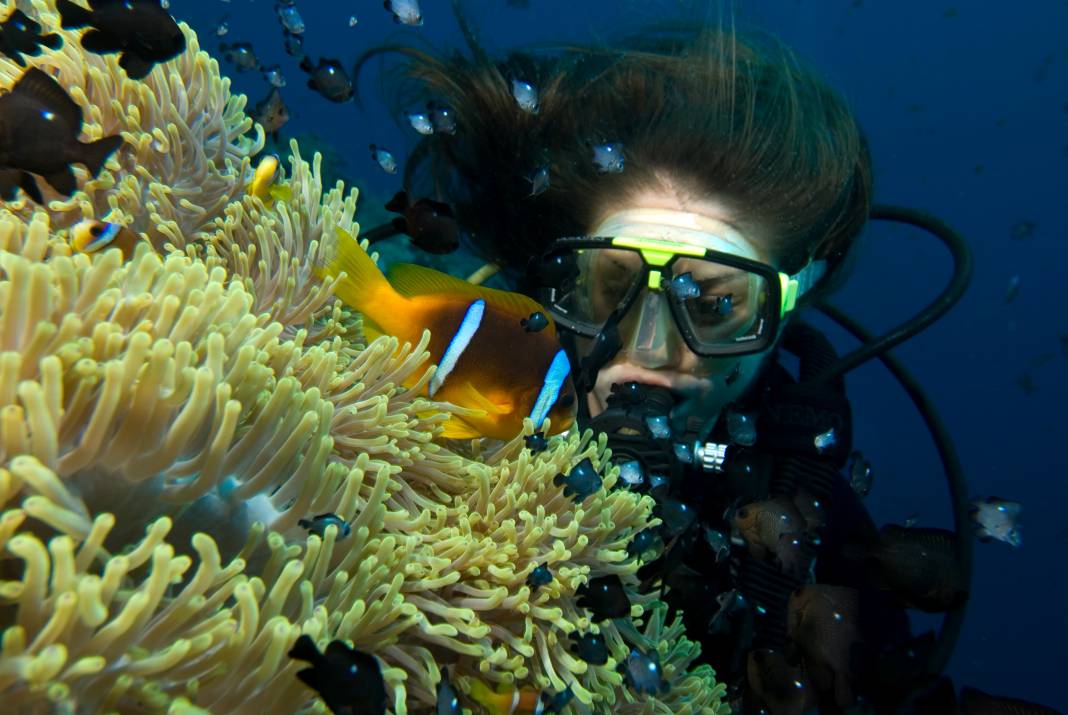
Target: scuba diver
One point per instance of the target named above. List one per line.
(676, 201)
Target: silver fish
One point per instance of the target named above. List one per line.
(684, 287)
(241, 55)
(997, 518)
(608, 157)
(643, 673)
(539, 181)
(825, 440)
(720, 543)
(420, 122)
(631, 472)
(290, 18)
(741, 428)
(860, 474)
(384, 159)
(405, 12)
(658, 426)
(526, 95)
(442, 117)
(274, 76)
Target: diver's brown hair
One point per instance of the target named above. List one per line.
(710, 110)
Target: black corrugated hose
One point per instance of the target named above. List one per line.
(877, 347)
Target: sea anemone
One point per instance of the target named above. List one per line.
(167, 420)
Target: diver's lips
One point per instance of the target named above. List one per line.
(620, 374)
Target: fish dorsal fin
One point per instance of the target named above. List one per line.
(398, 203)
(411, 280)
(37, 84)
(1006, 506)
(20, 16)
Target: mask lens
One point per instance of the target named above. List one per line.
(721, 308)
(601, 280)
(721, 305)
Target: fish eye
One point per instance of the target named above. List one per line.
(96, 229)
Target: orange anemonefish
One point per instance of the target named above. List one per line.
(265, 184)
(91, 235)
(487, 360)
(507, 702)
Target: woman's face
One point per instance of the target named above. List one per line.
(654, 352)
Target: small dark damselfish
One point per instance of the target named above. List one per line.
(39, 129)
(142, 30)
(349, 681)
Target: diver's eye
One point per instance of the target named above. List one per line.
(743, 513)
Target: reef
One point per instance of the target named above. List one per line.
(167, 419)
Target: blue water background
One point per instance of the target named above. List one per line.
(966, 108)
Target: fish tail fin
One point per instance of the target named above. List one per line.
(488, 699)
(398, 203)
(29, 185)
(94, 154)
(73, 16)
(379, 233)
(52, 42)
(136, 68)
(363, 283)
(63, 181)
(281, 192)
(310, 677)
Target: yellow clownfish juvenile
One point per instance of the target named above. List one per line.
(91, 235)
(507, 702)
(265, 184)
(496, 351)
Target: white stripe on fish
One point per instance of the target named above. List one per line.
(550, 388)
(464, 334)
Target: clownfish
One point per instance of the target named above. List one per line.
(265, 184)
(91, 235)
(486, 360)
(507, 702)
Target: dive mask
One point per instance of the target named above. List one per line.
(722, 299)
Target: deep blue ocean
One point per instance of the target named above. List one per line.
(966, 110)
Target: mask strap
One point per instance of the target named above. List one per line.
(795, 286)
(809, 276)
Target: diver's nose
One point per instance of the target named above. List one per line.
(653, 336)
